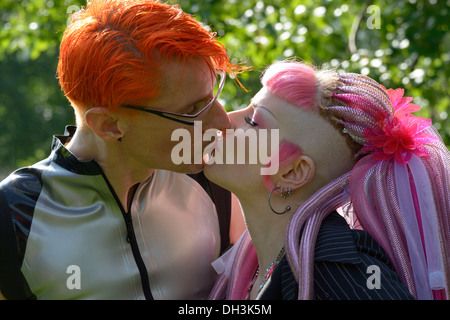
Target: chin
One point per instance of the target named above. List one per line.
(217, 174)
(186, 168)
(210, 171)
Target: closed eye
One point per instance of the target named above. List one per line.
(198, 106)
(250, 121)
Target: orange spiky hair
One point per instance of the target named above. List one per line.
(110, 54)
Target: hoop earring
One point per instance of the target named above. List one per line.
(284, 196)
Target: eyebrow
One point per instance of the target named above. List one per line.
(207, 98)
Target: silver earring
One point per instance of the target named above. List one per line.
(307, 175)
(285, 195)
(285, 192)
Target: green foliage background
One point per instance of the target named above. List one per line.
(399, 43)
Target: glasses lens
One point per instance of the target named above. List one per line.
(196, 110)
(216, 92)
(219, 84)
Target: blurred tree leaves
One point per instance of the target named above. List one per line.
(32, 106)
(399, 43)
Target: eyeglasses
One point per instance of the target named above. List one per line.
(176, 116)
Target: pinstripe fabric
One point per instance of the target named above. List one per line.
(342, 258)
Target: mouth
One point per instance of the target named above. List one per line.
(207, 157)
(209, 153)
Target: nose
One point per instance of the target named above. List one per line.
(217, 118)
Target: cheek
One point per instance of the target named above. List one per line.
(236, 164)
(150, 145)
(252, 146)
(237, 178)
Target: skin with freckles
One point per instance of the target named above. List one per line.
(146, 138)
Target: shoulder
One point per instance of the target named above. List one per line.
(356, 267)
(25, 181)
(20, 191)
(222, 200)
(18, 195)
(349, 265)
(363, 272)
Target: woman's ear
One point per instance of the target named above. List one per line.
(296, 174)
(103, 123)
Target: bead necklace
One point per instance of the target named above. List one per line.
(267, 275)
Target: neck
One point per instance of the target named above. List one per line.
(121, 175)
(267, 229)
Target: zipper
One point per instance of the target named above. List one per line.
(131, 238)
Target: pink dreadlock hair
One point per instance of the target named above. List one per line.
(398, 189)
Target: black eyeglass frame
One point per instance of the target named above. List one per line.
(167, 114)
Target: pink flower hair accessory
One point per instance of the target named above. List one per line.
(400, 135)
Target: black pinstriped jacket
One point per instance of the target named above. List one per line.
(343, 268)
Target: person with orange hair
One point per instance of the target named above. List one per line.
(109, 215)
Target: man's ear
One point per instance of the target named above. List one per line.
(104, 123)
(296, 174)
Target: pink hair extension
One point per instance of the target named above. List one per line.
(376, 190)
(310, 215)
(245, 263)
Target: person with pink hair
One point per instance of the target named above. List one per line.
(347, 145)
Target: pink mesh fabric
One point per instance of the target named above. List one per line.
(235, 285)
(310, 215)
(376, 190)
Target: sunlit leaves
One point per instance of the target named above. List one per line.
(399, 43)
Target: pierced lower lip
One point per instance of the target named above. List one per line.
(207, 154)
(211, 153)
